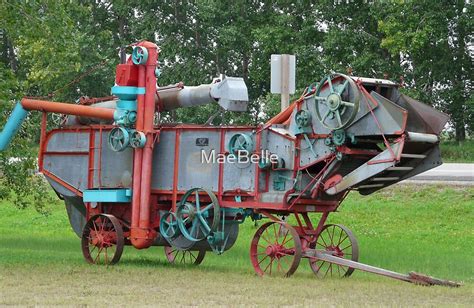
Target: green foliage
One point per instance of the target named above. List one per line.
(434, 40)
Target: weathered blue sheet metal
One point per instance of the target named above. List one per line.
(13, 124)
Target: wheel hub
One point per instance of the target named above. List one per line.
(102, 240)
(192, 213)
(334, 101)
(271, 250)
(336, 251)
(277, 251)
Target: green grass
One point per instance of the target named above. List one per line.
(427, 229)
(457, 152)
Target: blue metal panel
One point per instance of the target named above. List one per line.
(13, 125)
(127, 93)
(107, 195)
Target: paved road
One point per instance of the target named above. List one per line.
(459, 173)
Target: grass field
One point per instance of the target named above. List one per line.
(457, 152)
(428, 229)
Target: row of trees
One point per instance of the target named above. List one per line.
(44, 45)
(64, 49)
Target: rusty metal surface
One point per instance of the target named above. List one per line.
(421, 117)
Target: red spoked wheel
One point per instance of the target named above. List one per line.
(340, 242)
(275, 249)
(102, 240)
(186, 257)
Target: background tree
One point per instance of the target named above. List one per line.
(434, 41)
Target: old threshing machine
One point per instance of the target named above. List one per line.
(128, 179)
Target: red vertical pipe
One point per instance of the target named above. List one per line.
(142, 235)
(137, 156)
(148, 130)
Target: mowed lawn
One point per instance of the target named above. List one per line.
(428, 229)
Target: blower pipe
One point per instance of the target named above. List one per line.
(20, 112)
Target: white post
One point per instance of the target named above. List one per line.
(283, 77)
(285, 82)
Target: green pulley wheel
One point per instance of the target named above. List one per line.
(169, 226)
(240, 142)
(119, 139)
(198, 214)
(137, 140)
(303, 118)
(139, 55)
(339, 137)
(337, 101)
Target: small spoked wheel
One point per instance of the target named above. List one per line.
(119, 139)
(340, 242)
(169, 226)
(240, 142)
(102, 240)
(186, 257)
(198, 214)
(58, 119)
(337, 101)
(275, 249)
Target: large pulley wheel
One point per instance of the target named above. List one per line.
(186, 257)
(275, 249)
(337, 101)
(198, 214)
(102, 240)
(340, 242)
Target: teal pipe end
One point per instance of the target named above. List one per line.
(12, 126)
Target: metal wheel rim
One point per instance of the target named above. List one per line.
(93, 254)
(186, 257)
(283, 234)
(319, 267)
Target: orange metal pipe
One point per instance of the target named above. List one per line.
(143, 236)
(137, 165)
(71, 109)
(145, 192)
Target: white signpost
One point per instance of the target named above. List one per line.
(283, 77)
